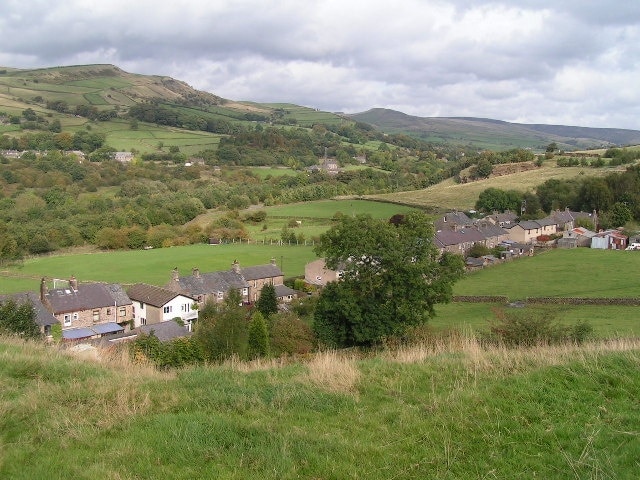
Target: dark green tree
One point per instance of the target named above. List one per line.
(18, 319)
(392, 278)
(222, 329)
(267, 303)
(258, 337)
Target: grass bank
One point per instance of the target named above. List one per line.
(440, 411)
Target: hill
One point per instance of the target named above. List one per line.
(496, 134)
(98, 97)
(453, 410)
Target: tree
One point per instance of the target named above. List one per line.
(18, 319)
(258, 337)
(267, 303)
(222, 329)
(392, 278)
(618, 216)
(494, 199)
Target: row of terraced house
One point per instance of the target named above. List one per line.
(93, 311)
(457, 233)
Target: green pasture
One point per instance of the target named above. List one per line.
(607, 321)
(581, 272)
(151, 266)
(95, 99)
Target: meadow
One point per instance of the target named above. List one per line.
(446, 411)
(463, 196)
(151, 266)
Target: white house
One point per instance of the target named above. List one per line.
(153, 305)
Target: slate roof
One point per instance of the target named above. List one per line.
(164, 331)
(451, 237)
(87, 297)
(207, 283)
(43, 316)
(152, 295)
(261, 271)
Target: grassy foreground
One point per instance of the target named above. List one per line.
(450, 411)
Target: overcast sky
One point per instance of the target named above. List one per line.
(571, 62)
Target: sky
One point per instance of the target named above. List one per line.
(564, 62)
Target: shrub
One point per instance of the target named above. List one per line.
(527, 329)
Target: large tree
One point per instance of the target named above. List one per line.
(392, 278)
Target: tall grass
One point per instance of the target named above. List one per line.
(446, 408)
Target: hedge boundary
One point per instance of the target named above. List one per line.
(627, 301)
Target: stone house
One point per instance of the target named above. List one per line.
(88, 310)
(215, 286)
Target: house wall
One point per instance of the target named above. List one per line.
(85, 318)
(255, 286)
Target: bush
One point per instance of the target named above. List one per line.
(528, 329)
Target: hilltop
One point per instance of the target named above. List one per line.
(496, 134)
(107, 87)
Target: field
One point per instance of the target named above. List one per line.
(451, 411)
(463, 196)
(152, 266)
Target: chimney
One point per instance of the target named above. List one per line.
(195, 272)
(73, 283)
(44, 291)
(175, 274)
(235, 266)
(273, 261)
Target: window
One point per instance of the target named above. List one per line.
(108, 312)
(75, 316)
(220, 294)
(122, 311)
(67, 320)
(96, 315)
(245, 292)
(141, 305)
(186, 307)
(143, 321)
(47, 330)
(167, 309)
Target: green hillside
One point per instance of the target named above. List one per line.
(108, 88)
(451, 411)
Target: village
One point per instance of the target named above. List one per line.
(74, 311)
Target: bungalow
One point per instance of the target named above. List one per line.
(152, 305)
(88, 310)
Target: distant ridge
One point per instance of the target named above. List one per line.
(496, 134)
